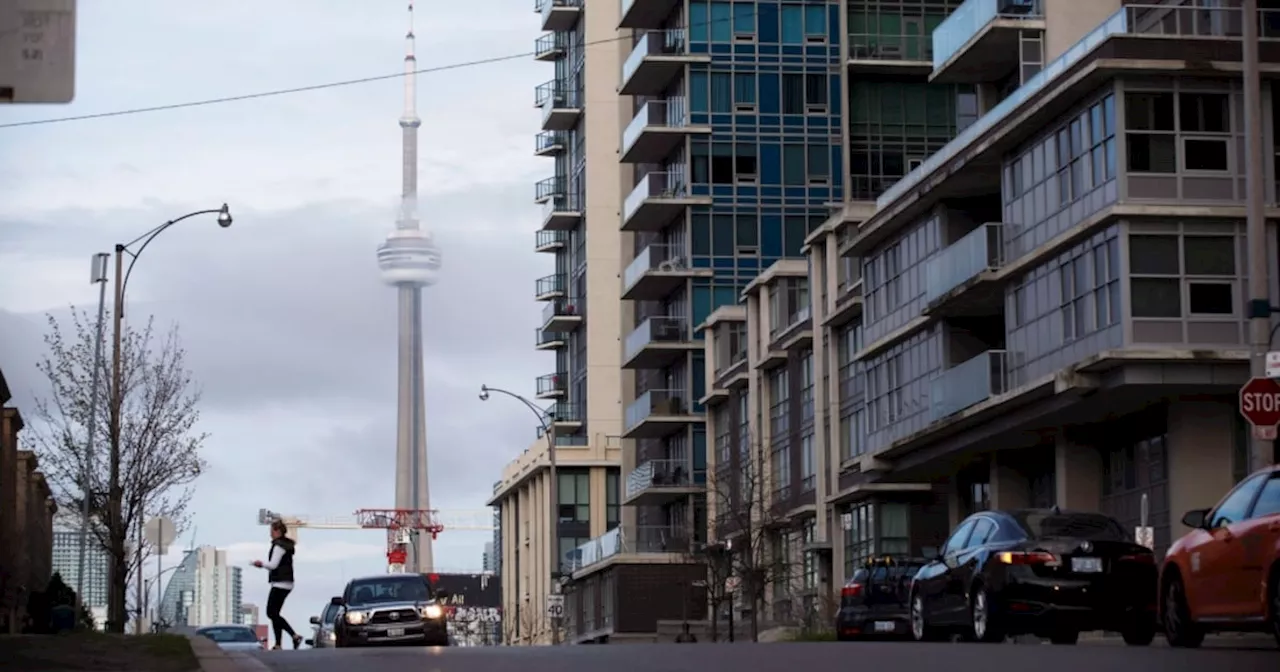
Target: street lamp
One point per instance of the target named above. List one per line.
(115, 496)
(98, 276)
(549, 431)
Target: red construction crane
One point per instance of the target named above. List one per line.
(400, 524)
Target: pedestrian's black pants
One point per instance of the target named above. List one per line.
(275, 601)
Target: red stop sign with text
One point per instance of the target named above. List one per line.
(1260, 402)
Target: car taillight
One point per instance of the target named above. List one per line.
(1144, 558)
(852, 590)
(1029, 558)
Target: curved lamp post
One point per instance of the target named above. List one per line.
(114, 494)
(549, 431)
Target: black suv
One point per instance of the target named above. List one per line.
(874, 603)
(391, 609)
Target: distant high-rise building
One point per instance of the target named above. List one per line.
(66, 562)
(489, 563)
(204, 590)
(237, 593)
(249, 614)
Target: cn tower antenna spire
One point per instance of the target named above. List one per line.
(410, 73)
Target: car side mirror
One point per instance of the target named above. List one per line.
(442, 595)
(1196, 519)
(930, 553)
(315, 620)
(337, 602)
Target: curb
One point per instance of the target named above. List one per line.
(213, 659)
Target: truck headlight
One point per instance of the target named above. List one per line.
(355, 617)
(432, 611)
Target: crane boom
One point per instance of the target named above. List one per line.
(464, 520)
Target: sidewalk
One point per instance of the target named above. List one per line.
(97, 652)
(214, 659)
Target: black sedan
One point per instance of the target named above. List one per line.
(391, 609)
(1043, 572)
(874, 601)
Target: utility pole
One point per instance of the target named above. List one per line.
(553, 492)
(1262, 451)
(98, 275)
(115, 504)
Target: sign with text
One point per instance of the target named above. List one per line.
(1260, 402)
(37, 51)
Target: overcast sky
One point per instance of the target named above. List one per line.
(288, 328)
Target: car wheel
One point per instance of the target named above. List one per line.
(1064, 637)
(1140, 631)
(1178, 627)
(984, 620)
(921, 631)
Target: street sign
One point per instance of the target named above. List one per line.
(37, 51)
(160, 532)
(1264, 432)
(1145, 536)
(1260, 402)
(555, 605)
(1273, 364)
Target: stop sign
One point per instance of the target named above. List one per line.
(1260, 402)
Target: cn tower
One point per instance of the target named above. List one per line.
(410, 260)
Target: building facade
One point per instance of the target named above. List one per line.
(203, 590)
(66, 562)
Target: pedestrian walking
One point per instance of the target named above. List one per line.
(279, 566)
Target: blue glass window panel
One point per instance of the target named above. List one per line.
(744, 18)
(770, 236)
(767, 21)
(815, 20)
(700, 233)
(744, 87)
(699, 434)
(698, 91)
(721, 92)
(770, 164)
(769, 94)
(701, 304)
(722, 235)
(820, 161)
(698, 21)
(725, 296)
(721, 27)
(792, 24)
(793, 164)
(795, 228)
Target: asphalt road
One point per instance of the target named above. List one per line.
(817, 657)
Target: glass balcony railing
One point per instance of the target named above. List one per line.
(666, 113)
(550, 43)
(889, 47)
(549, 188)
(551, 284)
(656, 402)
(563, 411)
(971, 17)
(969, 383)
(982, 249)
(556, 93)
(542, 337)
(550, 238)
(657, 184)
(559, 203)
(552, 383)
(663, 473)
(670, 42)
(562, 307)
(629, 539)
(549, 140)
(656, 329)
(655, 257)
(1222, 22)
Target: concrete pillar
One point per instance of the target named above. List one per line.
(955, 511)
(1199, 456)
(1078, 474)
(1009, 487)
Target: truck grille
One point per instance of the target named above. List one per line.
(402, 616)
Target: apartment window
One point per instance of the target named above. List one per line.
(569, 546)
(847, 347)
(744, 90)
(1168, 271)
(744, 446)
(890, 125)
(724, 436)
(853, 427)
(803, 23)
(612, 500)
(781, 474)
(895, 537)
(808, 479)
(779, 396)
(809, 534)
(724, 163)
(805, 93)
(858, 522)
(1201, 132)
(1090, 289)
(574, 490)
(887, 382)
(806, 386)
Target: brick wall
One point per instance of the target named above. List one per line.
(11, 606)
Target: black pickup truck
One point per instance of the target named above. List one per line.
(874, 603)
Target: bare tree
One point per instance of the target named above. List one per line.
(159, 446)
(749, 516)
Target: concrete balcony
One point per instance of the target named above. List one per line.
(550, 287)
(898, 55)
(659, 482)
(559, 104)
(550, 143)
(659, 413)
(734, 374)
(959, 280)
(562, 314)
(558, 15)
(636, 543)
(645, 13)
(551, 47)
(549, 340)
(657, 129)
(969, 383)
(656, 200)
(979, 41)
(550, 241)
(561, 213)
(796, 331)
(657, 59)
(552, 385)
(657, 271)
(657, 342)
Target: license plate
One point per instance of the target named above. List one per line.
(885, 626)
(395, 632)
(1086, 565)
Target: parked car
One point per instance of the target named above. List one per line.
(323, 636)
(1044, 572)
(1224, 575)
(874, 602)
(391, 609)
(233, 637)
